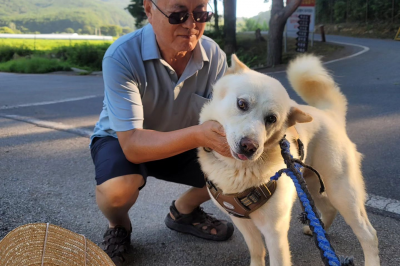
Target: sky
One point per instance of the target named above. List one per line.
(248, 8)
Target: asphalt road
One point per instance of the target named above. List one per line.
(47, 175)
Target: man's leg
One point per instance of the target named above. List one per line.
(116, 196)
(192, 199)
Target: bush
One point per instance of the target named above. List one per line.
(89, 56)
(7, 52)
(34, 65)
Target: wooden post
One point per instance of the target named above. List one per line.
(322, 30)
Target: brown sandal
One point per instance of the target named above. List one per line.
(199, 223)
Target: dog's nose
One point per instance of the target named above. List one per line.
(248, 147)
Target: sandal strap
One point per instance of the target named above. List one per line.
(198, 216)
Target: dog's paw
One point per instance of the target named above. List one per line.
(307, 230)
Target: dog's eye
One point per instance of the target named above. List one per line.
(270, 119)
(242, 105)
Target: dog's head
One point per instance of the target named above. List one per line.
(254, 109)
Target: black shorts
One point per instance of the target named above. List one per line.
(110, 162)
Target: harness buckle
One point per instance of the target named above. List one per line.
(252, 198)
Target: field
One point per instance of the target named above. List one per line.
(22, 56)
(46, 45)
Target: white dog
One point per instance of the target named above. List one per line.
(256, 112)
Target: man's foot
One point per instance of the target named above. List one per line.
(116, 243)
(199, 223)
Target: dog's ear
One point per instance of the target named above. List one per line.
(298, 116)
(237, 66)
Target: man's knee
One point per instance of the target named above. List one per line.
(119, 191)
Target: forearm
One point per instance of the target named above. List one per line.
(147, 145)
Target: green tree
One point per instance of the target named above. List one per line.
(137, 11)
(6, 30)
(87, 30)
(69, 30)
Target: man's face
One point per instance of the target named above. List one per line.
(181, 37)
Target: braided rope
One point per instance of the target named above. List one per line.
(316, 225)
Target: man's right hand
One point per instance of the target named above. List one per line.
(213, 136)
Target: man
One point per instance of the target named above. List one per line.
(156, 81)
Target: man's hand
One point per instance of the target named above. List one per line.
(213, 136)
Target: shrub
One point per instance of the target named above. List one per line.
(34, 65)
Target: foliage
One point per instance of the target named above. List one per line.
(136, 9)
(82, 54)
(69, 30)
(57, 15)
(112, 30)
(251, 24)
(34, 65)
(331, 11)
(7, 52)
(6, 30)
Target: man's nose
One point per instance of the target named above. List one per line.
(248, 146)
(190, 23)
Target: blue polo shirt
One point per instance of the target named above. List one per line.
(141, 90)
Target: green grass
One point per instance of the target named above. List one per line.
(81, 54)
(47, 45)
(34, 65)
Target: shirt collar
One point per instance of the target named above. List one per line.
(150, 49)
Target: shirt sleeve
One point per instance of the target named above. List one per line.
(122, 97)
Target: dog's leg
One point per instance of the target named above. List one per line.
(273, 220)
(347, 194)
(253, 239)
(323, 204)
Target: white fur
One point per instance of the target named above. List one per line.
(327, 148)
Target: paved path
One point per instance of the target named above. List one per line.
(47, 174)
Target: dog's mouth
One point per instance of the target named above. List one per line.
(239, 156)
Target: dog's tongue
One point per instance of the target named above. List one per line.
(242, 157)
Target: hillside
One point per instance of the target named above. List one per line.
(48, 16)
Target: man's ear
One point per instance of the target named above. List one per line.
(148, 6)
(298, 116)
(237, 66)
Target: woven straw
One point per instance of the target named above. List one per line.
(24, 247)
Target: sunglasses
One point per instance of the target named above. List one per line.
(181, 17)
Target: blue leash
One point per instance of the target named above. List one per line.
(311, 215)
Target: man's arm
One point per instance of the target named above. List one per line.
(141, 145)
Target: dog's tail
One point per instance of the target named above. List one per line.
(315, 86)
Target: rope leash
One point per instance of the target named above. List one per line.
(310, 214)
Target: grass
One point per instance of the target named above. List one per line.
(48, 45)
(87, 55)
(34, 65)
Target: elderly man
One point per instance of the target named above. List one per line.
(156, 81)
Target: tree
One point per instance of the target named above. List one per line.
(6, 30)
(230, 26)
(216, 17)
(279, 15)
(137, 11)
(69, 30)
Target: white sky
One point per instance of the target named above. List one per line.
(248, 8)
